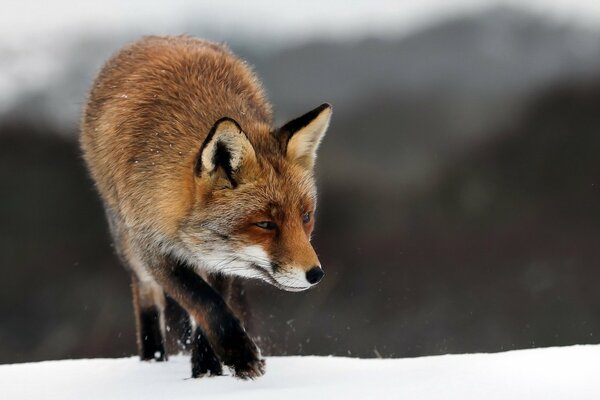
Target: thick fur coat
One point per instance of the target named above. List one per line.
(199, 187)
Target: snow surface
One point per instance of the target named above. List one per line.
(552, 373)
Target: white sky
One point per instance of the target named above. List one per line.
(37, 37)
(291, 20)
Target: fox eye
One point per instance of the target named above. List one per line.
(270, 225)
(306, 218)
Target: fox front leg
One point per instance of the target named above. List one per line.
(222, 328)
(204, 360)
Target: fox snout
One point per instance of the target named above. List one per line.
(297, 273)
(303, 271)
(296, 279)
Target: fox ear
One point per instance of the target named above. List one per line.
(301, 137)
(224, 151)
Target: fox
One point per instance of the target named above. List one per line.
(201, 191)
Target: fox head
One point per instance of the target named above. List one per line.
(254, 201)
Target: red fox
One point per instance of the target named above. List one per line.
(199, 188)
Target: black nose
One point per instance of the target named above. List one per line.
(314, 275)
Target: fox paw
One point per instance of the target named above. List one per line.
(242, 355)
(249, 369)
(245, 360)
(204, 360)
(203, 369)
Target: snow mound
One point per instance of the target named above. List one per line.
(552, 373)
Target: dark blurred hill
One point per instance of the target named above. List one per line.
(62, 285)
(458, 198)
(546, 164)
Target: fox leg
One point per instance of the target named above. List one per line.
(204, 359)
(149, 305)
(148, 297)
(179, 326)
(220, 327)
(189, 337)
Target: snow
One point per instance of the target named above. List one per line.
(551, 373)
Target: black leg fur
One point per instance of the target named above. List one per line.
(151, 339)
(204, 360)
(179, 327)
(221, 327)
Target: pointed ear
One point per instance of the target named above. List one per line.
(224, 151)
(301, 137)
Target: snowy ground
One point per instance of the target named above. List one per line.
(553, 373)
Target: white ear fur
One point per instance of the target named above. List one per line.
(304, 142)
(226, 144)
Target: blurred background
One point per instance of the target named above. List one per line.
(459, 181)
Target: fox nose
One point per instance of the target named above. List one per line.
(314, 275)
